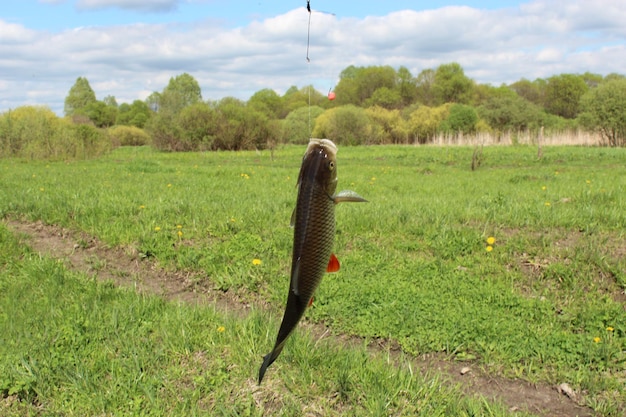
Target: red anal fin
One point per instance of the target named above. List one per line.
(310, 302)
(333, 264)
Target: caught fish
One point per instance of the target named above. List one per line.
(314, 231)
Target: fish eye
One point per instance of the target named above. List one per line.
(331, 165)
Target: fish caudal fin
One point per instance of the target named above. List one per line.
(267, 361)
(333, 264)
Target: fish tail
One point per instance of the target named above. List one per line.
(268, 360)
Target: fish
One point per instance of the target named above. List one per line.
(313, 220)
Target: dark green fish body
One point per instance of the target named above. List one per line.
(314, 233)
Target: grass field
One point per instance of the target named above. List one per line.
(517, 268)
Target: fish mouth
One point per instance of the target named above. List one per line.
(326, 144)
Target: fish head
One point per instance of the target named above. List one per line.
(320, 165)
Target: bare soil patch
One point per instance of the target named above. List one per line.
(127, 269)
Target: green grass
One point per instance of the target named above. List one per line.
(415, 268)
(71, 345)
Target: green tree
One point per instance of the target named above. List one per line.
(485, 92)
(299, 124)
(451, 85)
(461, 119)
(100, 114)
(181, 91)
(154, 101)
(110, 101)
(35, 132)
(604, 110)
(79, 96)
(268, 102)
(387, 126)
(533, 91)
(424, 122)
(197, 126)
(511, 113)
(295, 98)
(357, 84)
(345, 125)
(563, 93)
(406, 85)
(424, 87)
(592, 80)
(135, 114)
(240, 127)
(385, 97)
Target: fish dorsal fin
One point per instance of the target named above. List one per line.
(347, 196)
(333, 264)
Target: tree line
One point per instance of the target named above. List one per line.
(370, 105)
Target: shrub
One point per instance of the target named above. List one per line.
(37, 133)
(345, 125)
(295, 127)
(128, 136)
(424, 122)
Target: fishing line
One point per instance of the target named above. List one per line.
(308, 63)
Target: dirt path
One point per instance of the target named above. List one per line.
(87, 254)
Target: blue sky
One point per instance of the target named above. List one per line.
(130, 48)
(57, 15)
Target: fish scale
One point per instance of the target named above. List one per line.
(314, 224)
(313, 244)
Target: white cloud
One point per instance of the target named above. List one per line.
(537, 39)
(136, 5)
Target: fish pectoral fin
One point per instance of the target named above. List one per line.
(292, 222)
(295, 277)
(333, 264)
(347, 196)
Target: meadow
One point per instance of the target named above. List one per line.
(516, 268)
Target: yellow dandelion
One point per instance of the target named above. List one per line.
(544, 188)
(179, 226)
(588, 181)
(34, 175)
(256, 261)
(373, 179)
(547, 204)
(609, 329)
(489, 248)
(157, 228)
(232, 220)
(221, 329)
(596, 339)
(491, 240)
(180, 234)
(41, 189)
(169, 185)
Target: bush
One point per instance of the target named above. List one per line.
(388, 126)
(604, 110)
(128, 136)
(424, 122)
(461, 119)
(227, 125)
(37, 133)
(295, 127)
(345, 125)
